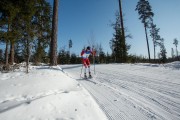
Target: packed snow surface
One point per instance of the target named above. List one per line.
(45, 94)
(139, 91)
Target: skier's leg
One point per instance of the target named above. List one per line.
(85, 72)
(85, 67)
(89, 70)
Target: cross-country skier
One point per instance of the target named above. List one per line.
(85, 60)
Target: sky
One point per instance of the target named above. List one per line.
(90, 20)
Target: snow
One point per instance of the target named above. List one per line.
(45, 94)
(140, 91)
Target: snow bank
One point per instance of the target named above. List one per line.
(172, 65)
(45, 94)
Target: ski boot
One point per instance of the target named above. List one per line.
(90, 76)
(85, 76)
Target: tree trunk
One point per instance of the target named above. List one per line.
(7, 48)
(38, 53)
(12, 53)
(147, 42)
(176, 52)
(6, 52)
(27, 55)
(123, 34)
(154, 52)
(53, 47)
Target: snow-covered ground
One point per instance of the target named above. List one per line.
(116, 92)
(134, 91)
(45, 94)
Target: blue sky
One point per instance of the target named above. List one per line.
(83, 20)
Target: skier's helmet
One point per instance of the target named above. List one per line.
(88, 48)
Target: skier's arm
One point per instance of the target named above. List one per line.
(82, 53)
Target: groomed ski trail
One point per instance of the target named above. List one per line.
(133, 92)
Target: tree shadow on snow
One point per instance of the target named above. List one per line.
(49, 68)
(70, 67)
(8, 105)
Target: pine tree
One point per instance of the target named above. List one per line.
(18, 54)
(155, 37)
(163, 52)
(73, 59)
(16, 36)
(108, 58)
(70, 46)
(63, 57)
(145, 12)
(101, 54)
(28, 11)
(43, 29)
(172, 52)
(116, 43)
(1, 56)
(8, 10)
(124, 49)
(175, 42)
(29, 19)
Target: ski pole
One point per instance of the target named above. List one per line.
(94, 65)
(81, 71)
(94, 60)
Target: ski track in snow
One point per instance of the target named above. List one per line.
(15, 102)
(133, 92)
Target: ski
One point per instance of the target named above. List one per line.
(87, 78)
